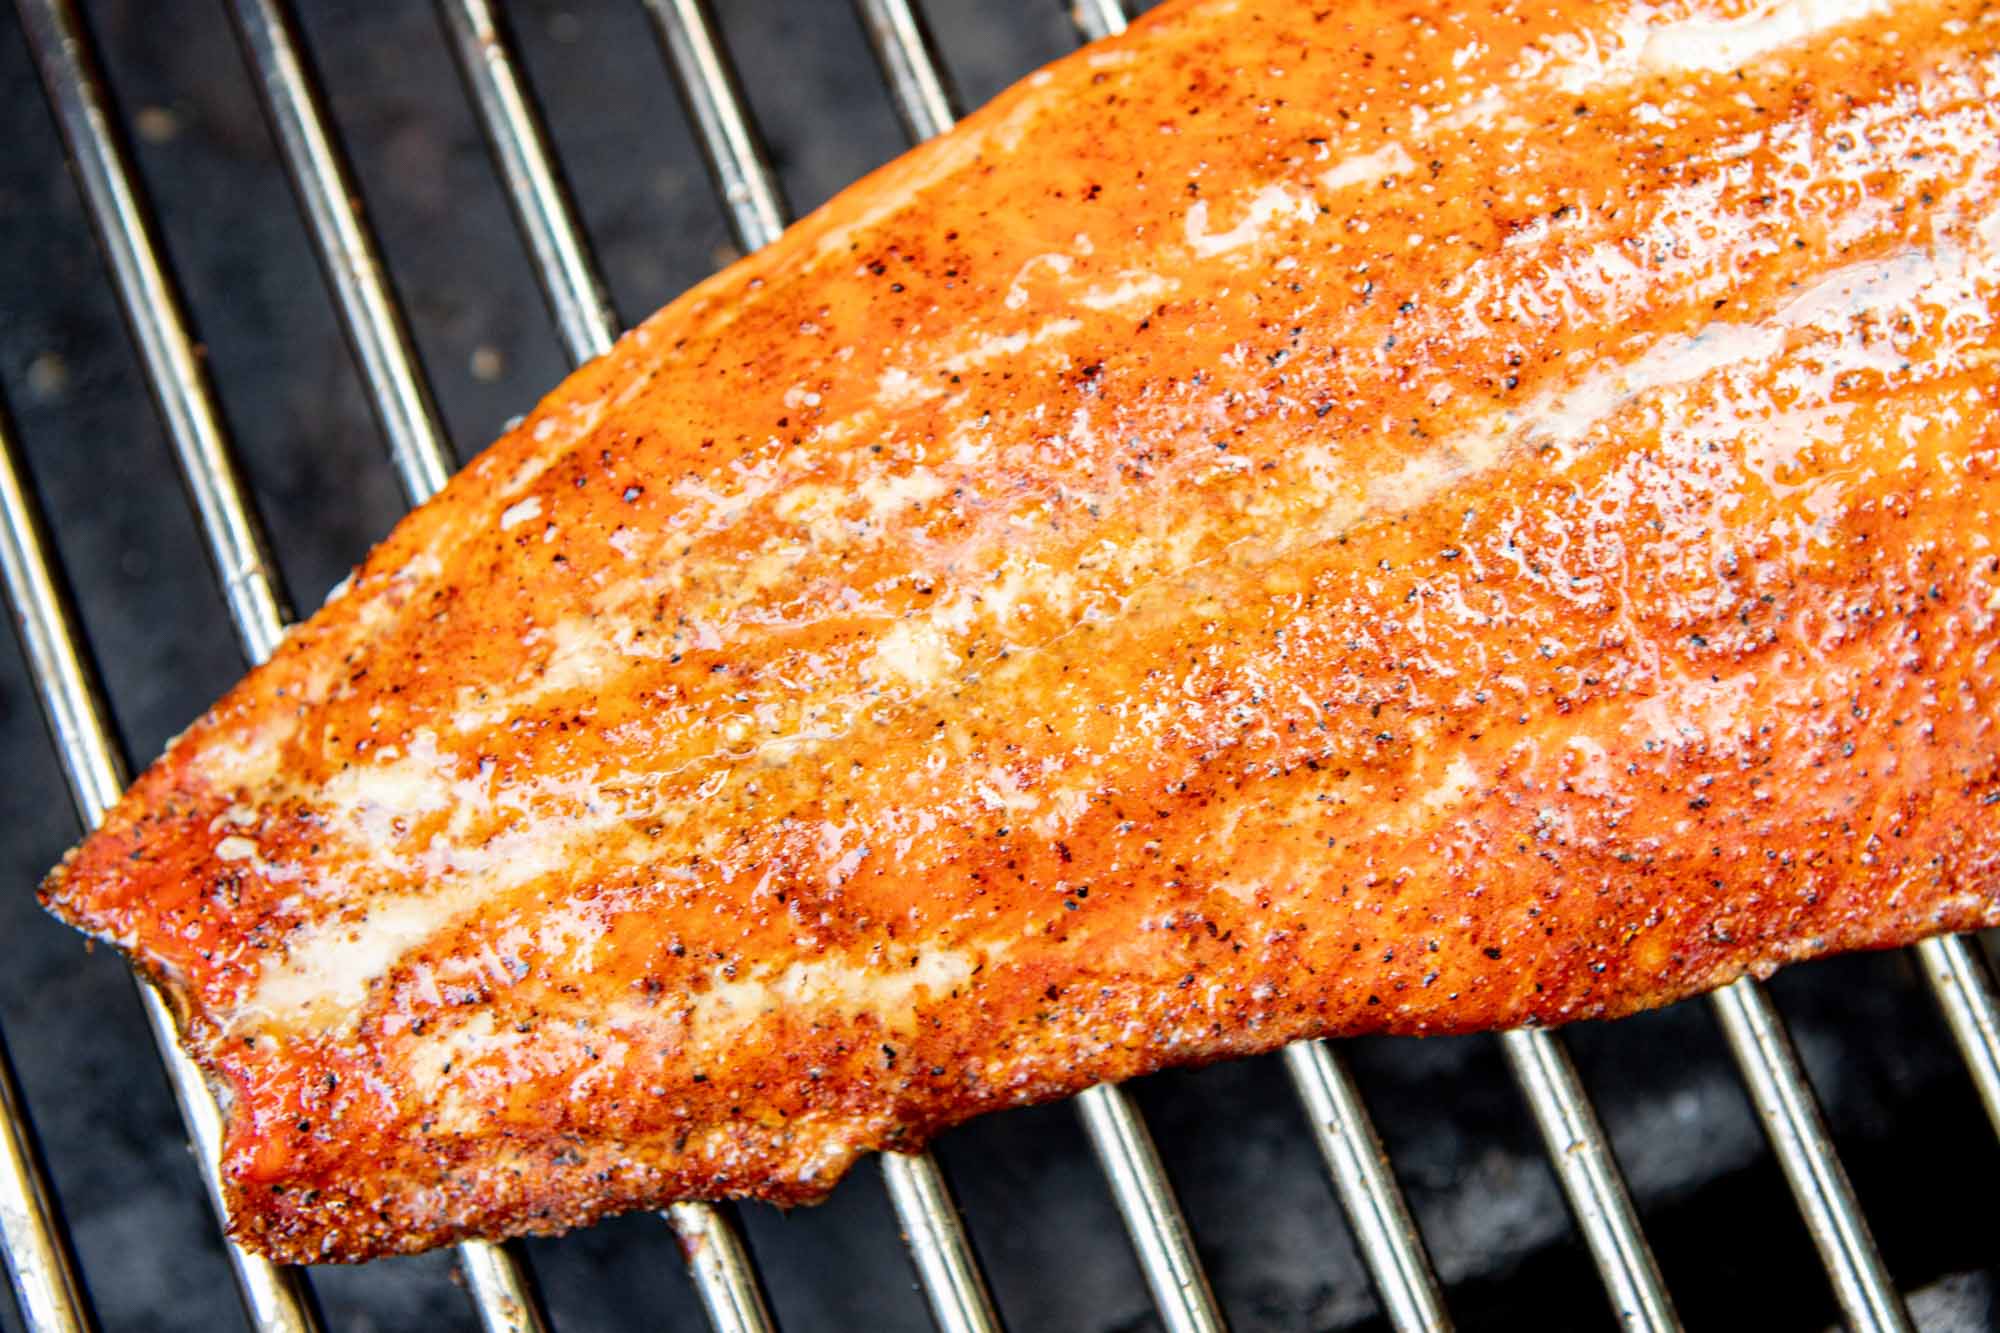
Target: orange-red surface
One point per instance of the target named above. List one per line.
(1379, 517)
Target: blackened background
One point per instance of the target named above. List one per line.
(1713, 1201)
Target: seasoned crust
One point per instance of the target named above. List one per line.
(1097, 596)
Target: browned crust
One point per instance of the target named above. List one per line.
(1779, 659)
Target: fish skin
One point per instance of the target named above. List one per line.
(1288, 523)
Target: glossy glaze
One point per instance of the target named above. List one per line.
(1385, 517)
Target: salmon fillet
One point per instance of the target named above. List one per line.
(1389, 517)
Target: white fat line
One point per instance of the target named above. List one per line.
(1640, 44)
(1701, 44)
(448, 1064)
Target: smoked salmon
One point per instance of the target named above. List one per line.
(1303, 519)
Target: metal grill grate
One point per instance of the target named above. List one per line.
(46, 1280)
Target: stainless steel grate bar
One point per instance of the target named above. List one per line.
(63, 677)
(917, 82)
(1784, 1102)
(1590, 1179)
(723, 1275)
(1962, 980)
(947, 1269)
(1387, 1235)
(707, 82)
(275, 1298)
(502, 1289)
(152, 306)
(1097, 19)
(347, 252)
(48, 1290)
(40, 1268)
(495, 1276)
(1152, 1214)
(536, 190)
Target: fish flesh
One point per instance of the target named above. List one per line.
(1298, 520)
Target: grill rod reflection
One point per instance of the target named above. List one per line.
(48, 1288)
(1097, 19)
(1588, 1173)
(495, 1275)
(924, 98)
(1377, 1214)
(40, 1268)
(1783, 1099)
(276, 1299)
(707, 84)
(1962, 981)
